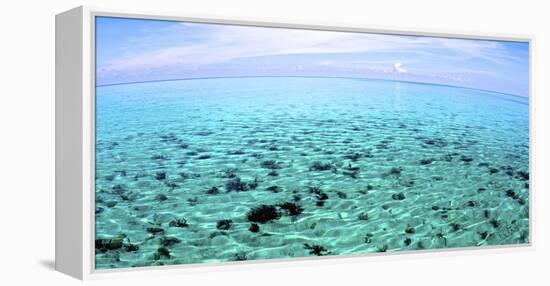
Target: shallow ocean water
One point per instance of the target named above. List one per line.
(345, 166)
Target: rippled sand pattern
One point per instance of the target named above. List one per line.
(220, 170)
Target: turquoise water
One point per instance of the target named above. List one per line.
(216, 170)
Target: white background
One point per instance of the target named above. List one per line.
(27, 143)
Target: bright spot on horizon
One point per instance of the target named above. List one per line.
(397, 68)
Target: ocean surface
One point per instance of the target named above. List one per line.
(216, 170)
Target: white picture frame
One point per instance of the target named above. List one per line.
(75, 129)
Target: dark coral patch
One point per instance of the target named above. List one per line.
(104, 245)
(254, 227)
(274, 189)
(466, 159)
(398, 196)
(178, 222)
(236, 185)
(270, 164)
(315, 249)
(353, 156)
(437, 142)
(426, 161)
(161, 197)
(321, 166)
(154, 229)
(224, 224)
(273, 173)
(213, 191)
(263, 214)
(319, 194)
(160, 176)
(522, 175)
(169, 241)
(394, 171)
(291, 208)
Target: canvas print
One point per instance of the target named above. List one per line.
(219, 143)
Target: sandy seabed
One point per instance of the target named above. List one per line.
(257, 168)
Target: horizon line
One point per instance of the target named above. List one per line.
(305, 76)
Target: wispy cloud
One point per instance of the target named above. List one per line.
(491, 51)
(187, 47)
(224, 43)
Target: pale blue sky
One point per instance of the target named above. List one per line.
(130, 50)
